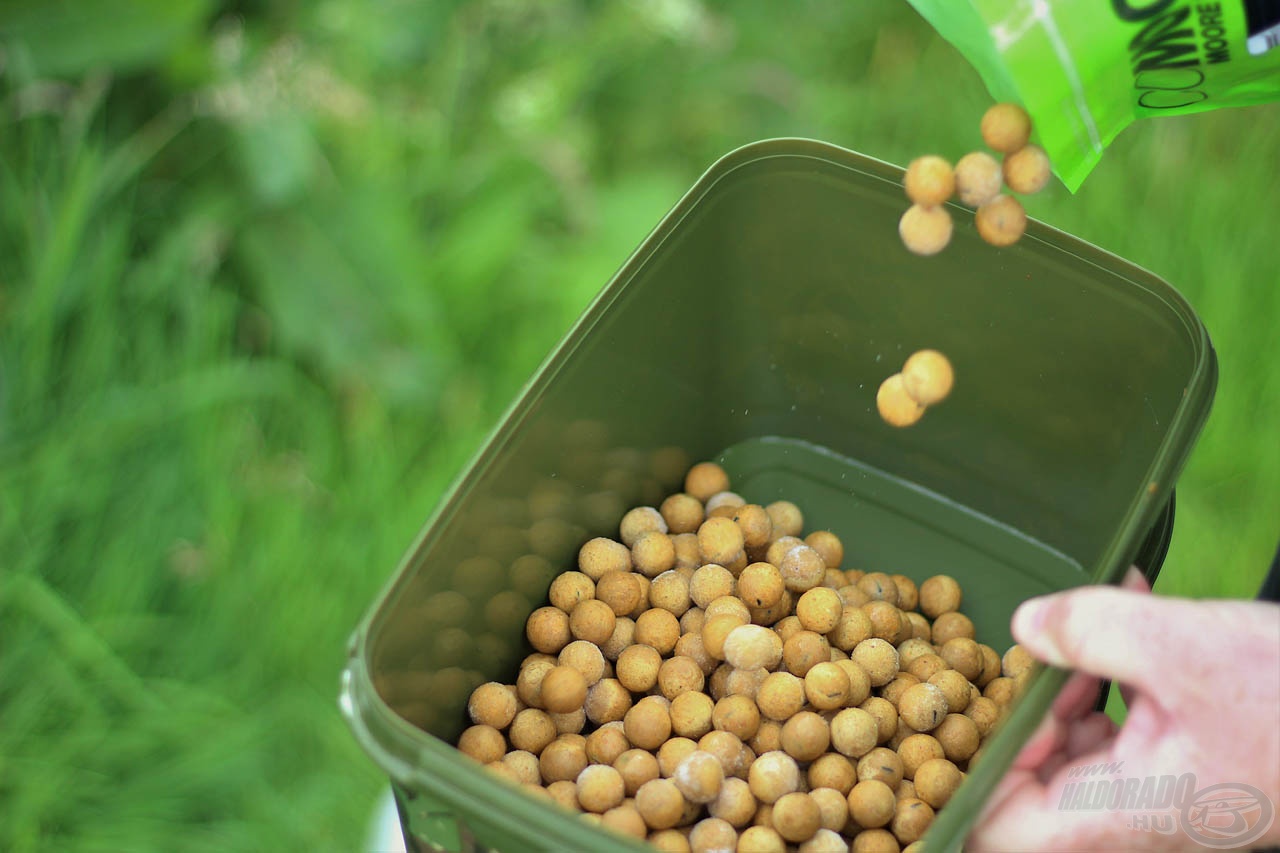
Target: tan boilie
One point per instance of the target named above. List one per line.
(929, 180)
(767, 703)
(752, 647)
(979, 178)
(936, 780)
(683, 513)
(760, 585)
(1001, 221)
(925, 230)
(705, 479)
(563, 690)
(871, 803)
(923, 706)
(1005, 128)
(895, 405)
(796, 816)
(939, 594)
(928, 378)
(1027, 170)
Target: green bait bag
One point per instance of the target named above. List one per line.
(1085, 69)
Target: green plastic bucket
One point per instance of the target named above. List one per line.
(753, 327)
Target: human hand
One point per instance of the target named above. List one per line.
(1201, 680)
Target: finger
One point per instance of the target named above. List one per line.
(1077, 697)
(1093, 733)
(1012, 786)
(1051, 766)
(1048, 738)
(1152, 643)
(1026, 813)
(1090, 734)
(1029, 818)
(1128, 694)
(1135, 581)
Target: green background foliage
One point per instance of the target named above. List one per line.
(270, 270)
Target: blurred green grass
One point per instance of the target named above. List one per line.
(269, 271)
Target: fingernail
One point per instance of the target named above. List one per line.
(1029, 629)
(1134, 579)
(1028, 618)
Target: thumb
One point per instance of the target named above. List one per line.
(1155, 644)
